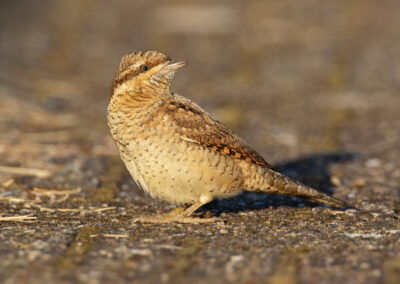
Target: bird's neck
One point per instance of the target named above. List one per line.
(139, 93)
(132, 110)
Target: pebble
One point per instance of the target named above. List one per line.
(359, 182)
(237, 258)
(25, 211)
(373, 163)
(336, 181)
(125, 186)
(164, 277)
(95, 182)
(377, 273)
(365, 265)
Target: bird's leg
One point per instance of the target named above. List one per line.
(178, 215)
(190, 210)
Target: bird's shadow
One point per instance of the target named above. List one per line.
(312, 170)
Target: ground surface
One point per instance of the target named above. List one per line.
(314, 86)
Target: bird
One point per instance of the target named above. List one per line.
(179, 153)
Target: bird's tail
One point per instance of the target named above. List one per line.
(274, 182)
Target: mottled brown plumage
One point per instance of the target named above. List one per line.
(209, 132)
(178, 152)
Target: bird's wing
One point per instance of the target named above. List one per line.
(197, 126)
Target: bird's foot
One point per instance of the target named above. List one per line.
(179, 215)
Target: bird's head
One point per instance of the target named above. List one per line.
(145, 72)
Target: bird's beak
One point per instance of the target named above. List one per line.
(173, 67)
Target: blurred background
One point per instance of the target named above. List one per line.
(292, 78)
(303, 82)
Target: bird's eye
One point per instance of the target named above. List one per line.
(144, 67)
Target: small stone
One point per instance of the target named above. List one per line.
(373, 163)
(359, 182)
(223, 231)
(237, 258)
(164, 277)
(351, 195)
(95, 182)
(336, 181)
(25, 211)
(350, 211)
(377, 273)
(329, 260)
(34, 254)
(365, 265)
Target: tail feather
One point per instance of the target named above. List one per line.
(274, 182)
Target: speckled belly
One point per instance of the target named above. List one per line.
(178, 171)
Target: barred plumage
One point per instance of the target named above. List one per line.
(178, 152)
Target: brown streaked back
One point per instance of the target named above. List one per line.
(197, 126)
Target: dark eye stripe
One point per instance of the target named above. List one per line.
(126, 76)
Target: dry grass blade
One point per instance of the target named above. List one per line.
(12, 199)
(103, 209)
(109, 236)
(43, 191)
(17, 218)
(52, 193)
(26, 171)
(45, 209)
(8, 182)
